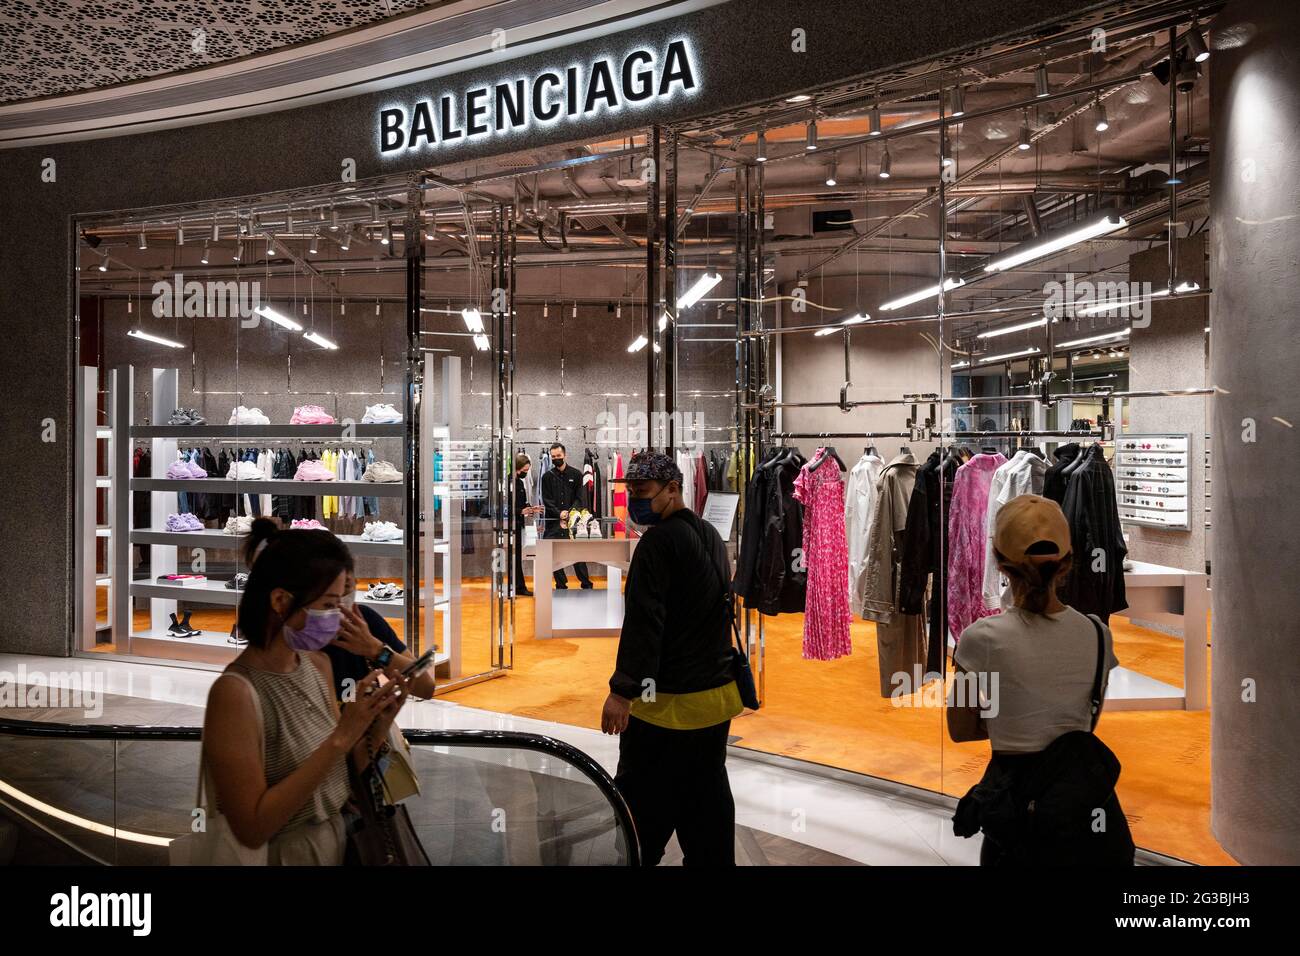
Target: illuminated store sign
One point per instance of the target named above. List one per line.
(639, 79)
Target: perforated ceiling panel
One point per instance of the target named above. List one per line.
(48, 47)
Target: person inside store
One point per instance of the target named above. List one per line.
(367, 642)
(524, 512)
(673, 693)
(276, 743)
(562, 492)
(1031, 681)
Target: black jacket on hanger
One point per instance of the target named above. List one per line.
(1054, 482)
(1095, 584)
(766, 576)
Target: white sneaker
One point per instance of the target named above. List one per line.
(238, 524)
(247, 416)
(381, 531)
(382, 471)
(593, 528)
(382, 414)
(244, 471)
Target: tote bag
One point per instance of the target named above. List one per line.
(216, 844)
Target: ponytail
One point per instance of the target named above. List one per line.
(1033, 583)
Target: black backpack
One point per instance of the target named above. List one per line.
(1060, 807)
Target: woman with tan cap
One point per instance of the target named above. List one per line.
(1040, 668)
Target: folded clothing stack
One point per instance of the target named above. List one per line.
(238, 524)
(184, 468)
(186, 416)
(381, 471)
(381, 531)
(382, 414)
(247, 416)
(245, 471)
(186, 580)
(308, 524)
(311, 415)
(184, 522)
(313, 470)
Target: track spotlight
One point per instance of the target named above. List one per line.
(1102, 124)
(142, 244)
(830, 173)
(238, 254)
(811, 141)
(1025, 135)
(204, 258)
(874, 120)
(761, 155)
(180, 235)
(270, 246)
(958, 101)
(1196, 44)
(315, 242)
(103, 262)
(1041, 88)
(884, 164)
(387, 237)
(347, 238)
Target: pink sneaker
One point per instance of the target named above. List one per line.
(307, 524)
(311, 470)
(311, 415)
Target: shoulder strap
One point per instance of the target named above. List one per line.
(723, 579)
(1101, 669)
(261, 736)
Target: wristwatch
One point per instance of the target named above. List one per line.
(381, 659)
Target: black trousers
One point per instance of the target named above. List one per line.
(579, 568)
(519, 583)
(676, 781)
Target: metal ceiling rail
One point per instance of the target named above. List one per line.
(959, 400)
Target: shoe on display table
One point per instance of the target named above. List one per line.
(184, 522)
(238, 524)
(247, 416)
(244, 471)
(184, 468)
(381, 471)
(382, 414)
(383, 591)
(186, 416)
(307, 524)
(182, 628)
(312, 470)
(311, 415)
(381, 531)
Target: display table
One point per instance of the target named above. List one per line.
(575, 612)
(1165, 596)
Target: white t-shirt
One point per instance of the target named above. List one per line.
(1036, 673)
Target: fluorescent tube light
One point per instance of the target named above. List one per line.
(638, 344)
(825, 331)
(956, 365)
(1009, 355)
(948, 286)
(703, 285)
(319, 340)
(157, 339)
(1008, 329)
(473, 319)
(282, 320)
(856, 318)
(1093, 339)
(481, 342)
(663, 321)
(1046, 247)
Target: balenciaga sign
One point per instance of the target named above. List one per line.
(640, 78)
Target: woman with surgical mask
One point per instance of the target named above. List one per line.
(275, 741)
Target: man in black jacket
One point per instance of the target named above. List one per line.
(673, 692)
(561, 493)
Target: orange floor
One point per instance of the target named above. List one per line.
(829, 712)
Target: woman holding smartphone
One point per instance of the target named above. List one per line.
(275, 740)
(367, 642)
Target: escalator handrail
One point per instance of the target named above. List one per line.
(494, 739)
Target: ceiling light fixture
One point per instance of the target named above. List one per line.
(1093, 339)
(1102, 123)
(798, 98)
(270, 246)
(142, 245)
(180, 235)
(204, 258)
(956, 365)
(927, 292)
(1008, 329)
(830, 173)
(663, 321)
(825, 331)
(216, 232)
(473, 319)
(1009, 355)
(810, 142)
(157, 339)
(1044, 247)
(703, 285)
(856, 318)
(315, 241)
(761, 155)
(958, 101)
(1025, 140)
(314, 336)
(481, 343)
(873, 119)
(268, 313)
(334, 219)
(638, 343)
(387, 237)
(1041, 88)
(1196, 44)
(347, 238)
(239, 250)
(103, 262)
(884, 164)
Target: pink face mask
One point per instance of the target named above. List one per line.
(321, 628)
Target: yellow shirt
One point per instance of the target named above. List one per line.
(693, 711)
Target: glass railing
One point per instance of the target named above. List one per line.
(118, 795)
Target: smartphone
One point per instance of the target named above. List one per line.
(424, 662)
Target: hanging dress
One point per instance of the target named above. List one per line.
(825, 552)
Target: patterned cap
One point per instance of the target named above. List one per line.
(651, 466)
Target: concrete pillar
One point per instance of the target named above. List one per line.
(1255, 361)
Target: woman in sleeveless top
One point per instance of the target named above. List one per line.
(274, 737)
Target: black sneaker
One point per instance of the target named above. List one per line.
(177, 629)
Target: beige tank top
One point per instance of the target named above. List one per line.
(297, 716)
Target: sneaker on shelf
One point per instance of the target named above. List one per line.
(181, 468)
(176, 629)
(382, 471)
(311, 415)
(196, 470)
(247, 416)
(179, 522)
(192, 522)
(307, 524)
(186, 416)
(380, 591)
(382, 414)
(244, 471)
(238, 524)
(312, 470)
(381, 531)
(238, 582)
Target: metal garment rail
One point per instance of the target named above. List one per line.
(487, 739)
(944, 436)
(996, 399)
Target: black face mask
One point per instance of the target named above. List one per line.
(557, 462)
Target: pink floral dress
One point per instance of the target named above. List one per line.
(968, 541)
(826, 554)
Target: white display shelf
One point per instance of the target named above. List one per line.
(216, 592)
(216, 539)
(272, 486)
(334, 432)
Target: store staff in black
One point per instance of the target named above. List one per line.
(562, 492)
(524, 512)
(673, 693)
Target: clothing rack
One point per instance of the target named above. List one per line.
(267, 442)
(944, 436)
